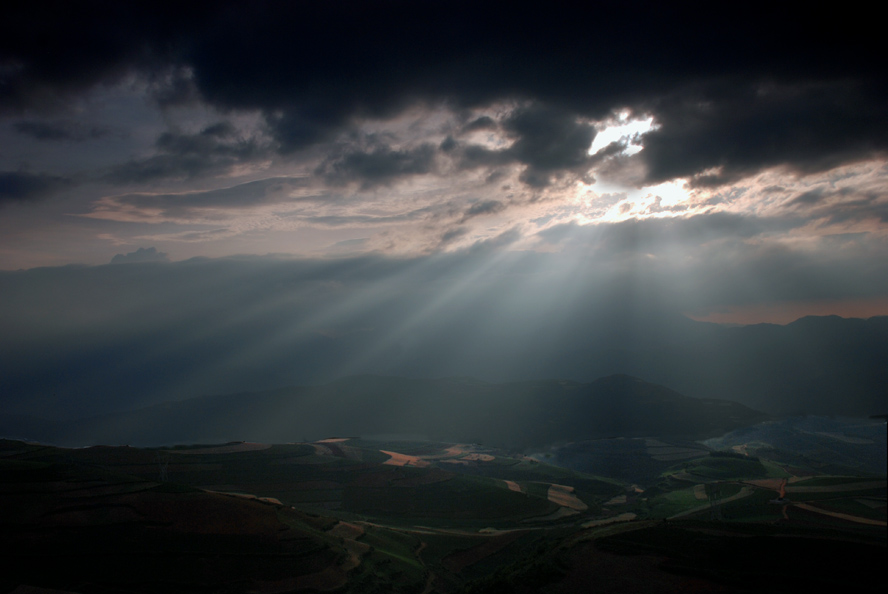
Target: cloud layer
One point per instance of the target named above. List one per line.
(407, 129)
(740, 88)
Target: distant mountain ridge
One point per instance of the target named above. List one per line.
(815, 365)
(824, 365)
(516, 414)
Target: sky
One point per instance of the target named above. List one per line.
(731, 162)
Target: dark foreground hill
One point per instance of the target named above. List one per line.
(358, 516)
(515, 415)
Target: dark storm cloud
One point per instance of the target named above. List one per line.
(547, 142)
(52, 50)
(59, 130)
(216, 149)
(549, 139)
(379, 166)
(174, 87)
(448, 144)
(738, 88)
(18, 186)
(298, 128)
(474, 156)
(807, 127)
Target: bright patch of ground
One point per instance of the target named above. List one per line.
(618, 500)
(479, 457)
(404, 460)
(841, 516)
(513, 486)
(449, 452)
(564, 496)
(700, 491)
(333, 440)
(457, 449)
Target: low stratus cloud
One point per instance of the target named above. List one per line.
(140, 255)
(249, 194)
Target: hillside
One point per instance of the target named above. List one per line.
(349, 515)
(515, 415)
(816, 365)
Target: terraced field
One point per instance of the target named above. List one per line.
(350, 515)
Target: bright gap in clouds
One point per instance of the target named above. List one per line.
(663, 199)
(622, 129)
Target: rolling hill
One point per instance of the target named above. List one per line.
(515, 415)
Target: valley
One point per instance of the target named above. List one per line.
(356, 515)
